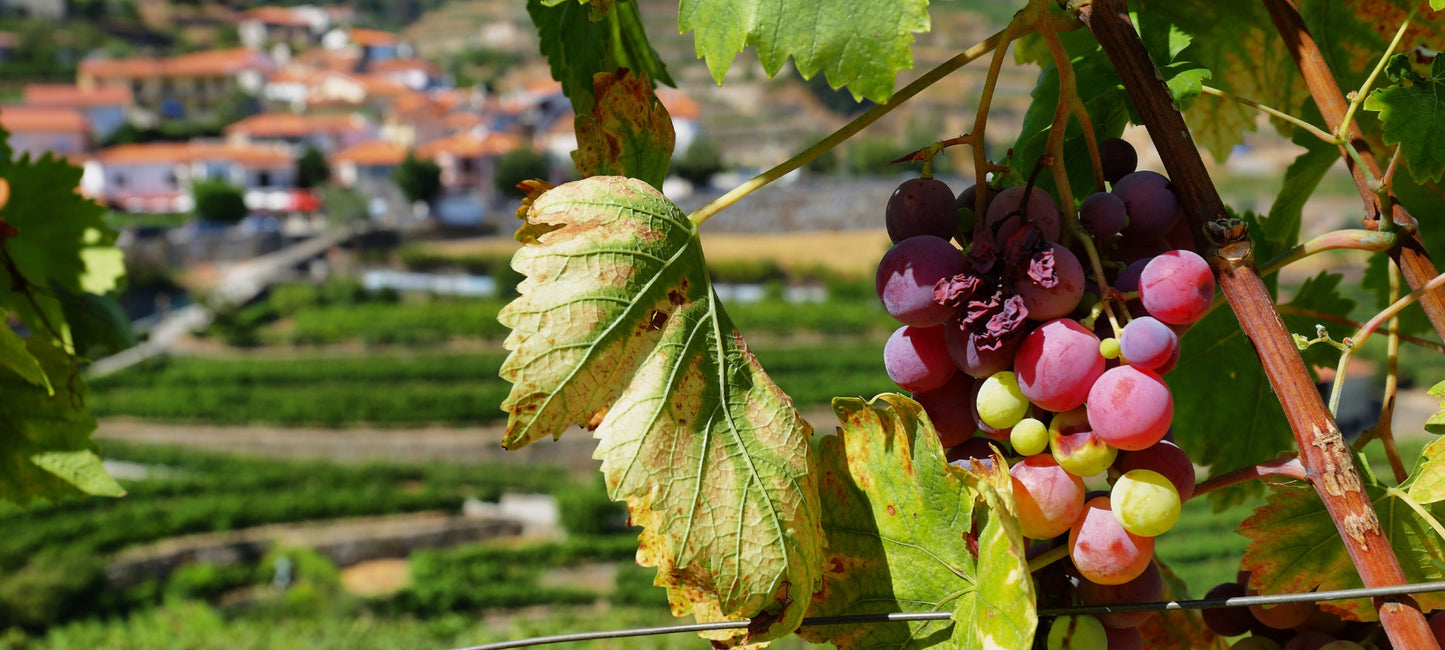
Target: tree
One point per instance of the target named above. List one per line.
(311, 169)
(419, 180)
(863, 531)
(219, 201)
(699, 163)
(516, 166)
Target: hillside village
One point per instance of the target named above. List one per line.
(302, 78)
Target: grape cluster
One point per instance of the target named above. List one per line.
(1295, 626)
(1003, 345)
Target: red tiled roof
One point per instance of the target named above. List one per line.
(372, 37)
(374, 152)
(250, 155)
(211, 62)
(678, 104)
(392, 66)
(285, 125)
(470, 145)
(271, 15)
(68, 95)
(34, 119)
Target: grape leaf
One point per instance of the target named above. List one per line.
(1294, 546)
(45, 449)
(1321, 294)
(617, 328)
(1413, 115)
(628, 132)
(62, 243)
(1436, 423)
(580, 42)
(861, 45)
(17, 358)
(1178, 628)
(1427, 483)
(909, 533)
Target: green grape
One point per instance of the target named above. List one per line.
(1145, 502)
(1109, 348)
(1029, 437)
(1075, 446)
(1000, 404)
(1078, 633)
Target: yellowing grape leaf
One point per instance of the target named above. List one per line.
(1436, 423)
(908, 533)
(861, 44)
(1294, 546)
(617, 328)
(628, 132)
(1413, 115)
(1427, 482)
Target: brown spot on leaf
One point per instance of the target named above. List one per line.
(676, 296)
(892, 511)
(655, 320)
(596, 419)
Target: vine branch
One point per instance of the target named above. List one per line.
(1323, 451)
(1284, 467)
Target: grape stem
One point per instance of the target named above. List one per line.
(850, 129)
(1273, 112)
(1048, 557)
(1017, 27)
(1332, 318)
(1287, 467)
(1410, 251)
(1384, 428)
(1394, 308)
(1348, 239)
(1347, 123)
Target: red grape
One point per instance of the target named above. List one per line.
(1177, 287)
(1149, 344)
(1130, 408)
(1042, 211)
(1057, 364)
(921, 206)
(1103, 551)
(1227, 621)
(917, 359)
(948, 407)
(1152, 206)
(1055, 301)
(1147, 588)
(906, 277)
(975, 361)
(1049, 498)
(1103, 215)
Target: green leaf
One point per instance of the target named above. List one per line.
(1413, 115)
(1320, 294)
(576, 48)
(63, 243)
(628, 132)
(1427, 483)
(17, 358)
(45, 447)
(908, 533)
(1436, 423)
(1301, 179)
(858, 44)
(1295, 548)
(617, 328)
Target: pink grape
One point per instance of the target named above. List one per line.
(1117, 158)
(1227, 621)
(948, 407)
(976, 362)
(1147, 588)
(917, 359)
(1149, 344)
(1049, 498)
(1047, 303)
(1042, 211)
(1057, 364)
(1130, 408)
(907, 274)
(1166, 458)
(921, 206)
(1103, 215)
(1177, 287)
(1103, 551)
(1152, 206)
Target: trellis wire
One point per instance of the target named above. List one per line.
(1237, 601)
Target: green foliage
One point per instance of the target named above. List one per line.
(488, 576)
(699, 163)
(1414, 118)
(219, 201)
(311, 169)
(419, 180)
(343, 205)
(580, 42)
(206, 581)
(519, 165)
(585, 509)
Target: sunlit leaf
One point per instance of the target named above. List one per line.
(1294, 546)
(1413, 114)
(908, 533)
(628, 132)
(858, 44)
(1427, 482)
(617, 328)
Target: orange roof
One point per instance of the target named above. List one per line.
(543, 86)
(68, 95)
(382, 86)
(372, 37)
(403, 65)
(250, 155)
(470, 145)
(210, 62)
(275, 16)
(35, 119)
(678, 104)
(287, 125)
(291, 75)
(374, 152)
(461, 121)
(328, 59)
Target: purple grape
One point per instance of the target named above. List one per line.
(1128, 282)
(1118, 159)
(917, 359)
(1148, 343)
(921, 206)
(1103, 215)
(1166, 458)
(1147, 588)
(949, 409)
(972, 360)
(907, 274)
(1227, 621)
(1123, 638)
(1152, 206)
(1053, 284)
(1042, 211)
(967, 216)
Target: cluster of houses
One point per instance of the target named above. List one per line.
(358, 96)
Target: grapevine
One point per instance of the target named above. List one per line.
(1046, 314)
